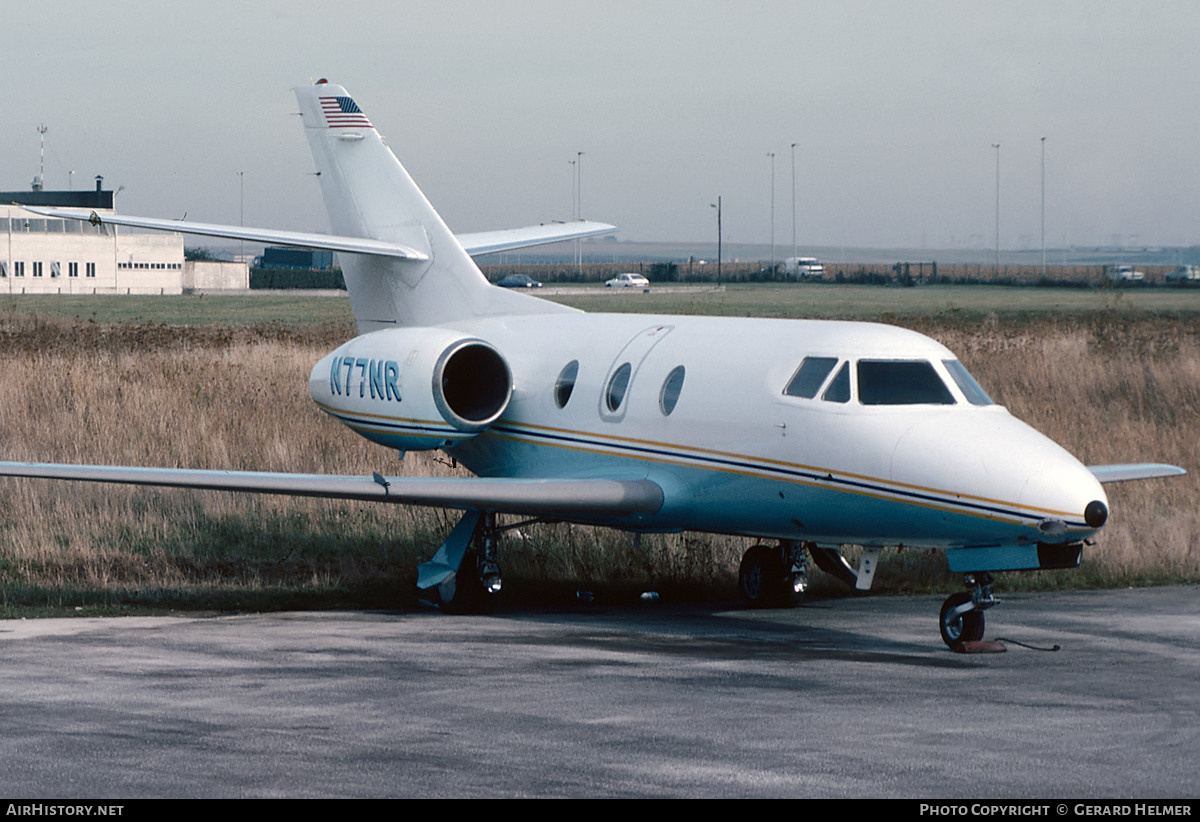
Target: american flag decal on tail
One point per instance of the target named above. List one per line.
(342, 112)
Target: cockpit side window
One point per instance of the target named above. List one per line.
(810, 376)
(901, 382)
(839, 387)
(966, 383)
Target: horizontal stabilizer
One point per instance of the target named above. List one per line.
(489, 242)
(299, 239)
(545, 497)
(484, 242)
(1134, 471)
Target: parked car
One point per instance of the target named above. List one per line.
(518, 281)
(628, 280)
(1124, 274)
(1184, 272)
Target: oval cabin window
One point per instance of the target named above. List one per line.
(672, 385)
(565, 383)
(618, 384)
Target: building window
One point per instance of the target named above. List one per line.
(91, 269)
(19, 268)
(72, 269)
(37, 269)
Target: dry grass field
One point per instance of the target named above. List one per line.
(1112, 386)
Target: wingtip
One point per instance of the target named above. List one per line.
(1135, 471)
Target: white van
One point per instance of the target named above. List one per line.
(1184, 272)
(804, 267)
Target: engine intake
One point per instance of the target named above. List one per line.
(471, 385)
(414, 388)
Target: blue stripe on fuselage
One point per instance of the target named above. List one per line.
(703, 464)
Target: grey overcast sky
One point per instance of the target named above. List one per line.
(893, 106)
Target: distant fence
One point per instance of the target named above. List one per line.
(902, 273)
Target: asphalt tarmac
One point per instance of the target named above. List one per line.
(839, 698)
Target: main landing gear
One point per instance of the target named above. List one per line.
(464, 574)
(961, 619)
(774, 576)
(777, 576)
(473, 588)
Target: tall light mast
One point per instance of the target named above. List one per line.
(42, 165)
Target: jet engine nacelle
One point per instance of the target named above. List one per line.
(413, 388)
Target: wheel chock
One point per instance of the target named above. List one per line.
(981, 646)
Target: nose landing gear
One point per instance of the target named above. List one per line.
(961, 619)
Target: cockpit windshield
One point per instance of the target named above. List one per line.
(901, 382)
(884, 382)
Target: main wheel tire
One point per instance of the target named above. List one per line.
(762, 580)
(968, 627)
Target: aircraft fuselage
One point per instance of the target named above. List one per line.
(715, 411)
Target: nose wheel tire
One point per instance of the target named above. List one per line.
(965, 627)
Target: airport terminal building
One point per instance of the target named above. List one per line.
(44, 255)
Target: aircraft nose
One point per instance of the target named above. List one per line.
(993, 456)
(1057, 483)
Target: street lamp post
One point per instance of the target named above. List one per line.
(579, 214)
(997, 147)
(794, 258)
(116, 262)
(717, 206)
(242, 211)
(574, 192)
(771, 154)
(1043, 209)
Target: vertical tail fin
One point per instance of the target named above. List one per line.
(369, 194)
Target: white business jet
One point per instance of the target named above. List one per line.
(806, 435)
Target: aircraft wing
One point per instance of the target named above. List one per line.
(535, 497)
(488, 242)
(1134, 471)
(485, 242)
